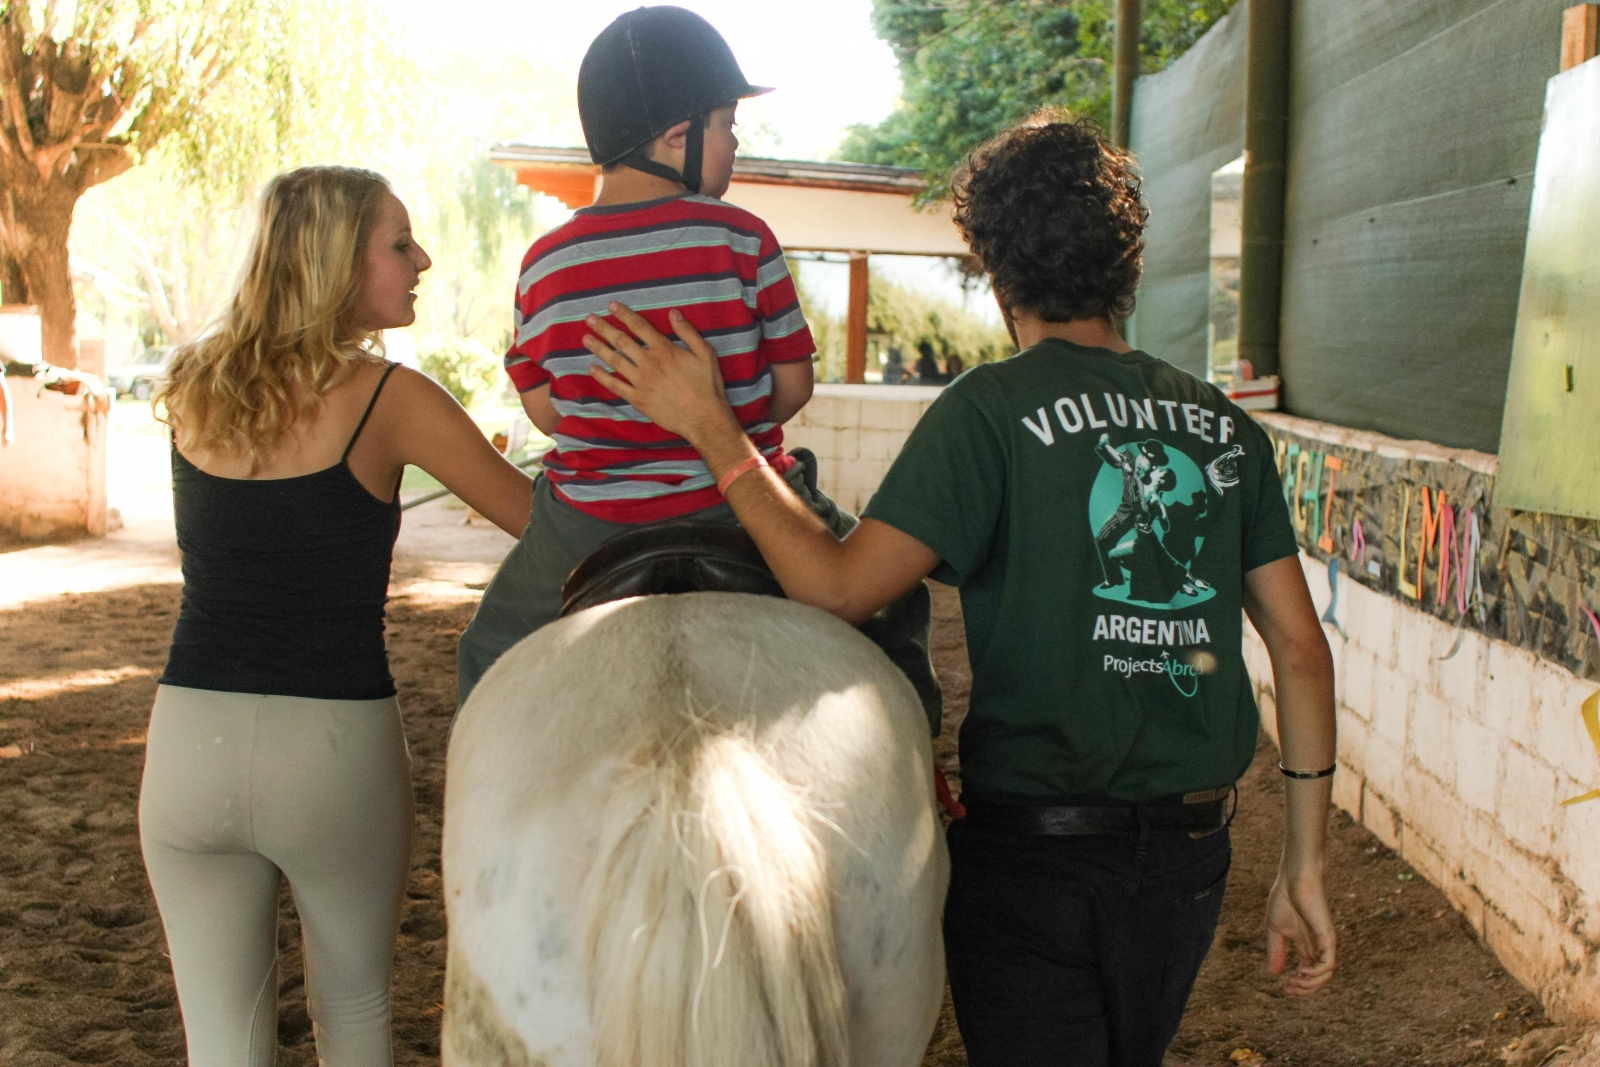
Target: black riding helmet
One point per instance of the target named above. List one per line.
(651, 69)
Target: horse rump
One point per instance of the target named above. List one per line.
(692, 830)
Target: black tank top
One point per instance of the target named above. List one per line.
(284, 581)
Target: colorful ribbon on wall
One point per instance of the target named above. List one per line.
(1469, 585)
(1469, 590)
(1333, 597)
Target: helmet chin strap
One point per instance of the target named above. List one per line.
(693, 153)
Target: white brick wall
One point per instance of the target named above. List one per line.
(1477, 748)
(856, 432)
(1461, 765)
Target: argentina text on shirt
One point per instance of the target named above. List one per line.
(1139, 631)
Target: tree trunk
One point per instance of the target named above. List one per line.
(13, 286)
(36, 223)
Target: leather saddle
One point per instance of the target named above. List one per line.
(670, 557)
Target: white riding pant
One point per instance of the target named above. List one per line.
(240, 791)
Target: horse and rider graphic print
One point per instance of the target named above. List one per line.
(1149, 508)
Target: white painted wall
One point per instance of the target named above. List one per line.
(856, 432)
(850, 220)
(53, 476)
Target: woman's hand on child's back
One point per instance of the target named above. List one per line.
(678, 387)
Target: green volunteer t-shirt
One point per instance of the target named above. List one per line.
(1098, 512)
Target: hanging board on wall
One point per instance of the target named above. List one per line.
(1549, 446)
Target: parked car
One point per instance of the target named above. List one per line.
(140, 378)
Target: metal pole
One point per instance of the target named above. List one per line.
(1125, 68)
(1266, 151)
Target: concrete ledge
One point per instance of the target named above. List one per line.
(878, 392)
(1366, 441)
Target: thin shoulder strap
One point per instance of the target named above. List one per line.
(367, 414)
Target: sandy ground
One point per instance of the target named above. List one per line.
(84, 979)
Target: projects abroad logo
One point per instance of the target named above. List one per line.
(1184, 674)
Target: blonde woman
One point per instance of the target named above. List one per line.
(275, 747)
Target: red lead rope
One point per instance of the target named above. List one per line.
(941, 788)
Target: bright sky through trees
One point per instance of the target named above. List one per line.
(829, 69)
(419, 90)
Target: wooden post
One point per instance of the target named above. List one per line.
(1580, 34)
(855, 334)
(1125, 67)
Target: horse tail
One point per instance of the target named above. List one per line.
(709, 923)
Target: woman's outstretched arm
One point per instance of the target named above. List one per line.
(426, 427)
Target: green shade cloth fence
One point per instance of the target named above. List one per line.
(1414, 125)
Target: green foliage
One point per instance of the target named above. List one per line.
(906, 318)
(165, 241)
(901, 317)
(496, 211)
(476, 222)
(228, 88)
(467, 370)
(970, 68)
(310, 81)
(90, 88)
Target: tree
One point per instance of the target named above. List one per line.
(483, 220)
(90, 88)
(969, 68)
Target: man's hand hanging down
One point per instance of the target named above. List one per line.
(1297, 914)
(1279, 606)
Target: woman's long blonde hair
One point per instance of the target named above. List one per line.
(287, 336)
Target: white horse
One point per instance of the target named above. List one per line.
(692, 831)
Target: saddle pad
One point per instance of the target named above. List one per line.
(669, 557)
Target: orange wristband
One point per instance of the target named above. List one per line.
(739, 470)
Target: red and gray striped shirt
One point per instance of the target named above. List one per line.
(720, 266)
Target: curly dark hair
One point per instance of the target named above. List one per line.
(1053, 213)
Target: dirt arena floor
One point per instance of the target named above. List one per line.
(84, 978)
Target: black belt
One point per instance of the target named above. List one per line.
(1197, 815)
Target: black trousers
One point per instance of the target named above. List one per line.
(1077, 951)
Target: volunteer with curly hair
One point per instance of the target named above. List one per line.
(1105, 516)
(275, 747)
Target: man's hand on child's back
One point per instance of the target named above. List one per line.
(677, 386)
